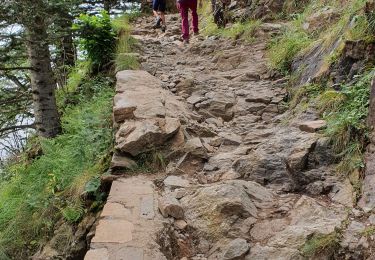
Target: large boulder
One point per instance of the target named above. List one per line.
(279, 159)
(136, 137)
(170, 206)
(217, 104)
(213, 209)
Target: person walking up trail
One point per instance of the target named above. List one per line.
(158, 8)
(184, 6)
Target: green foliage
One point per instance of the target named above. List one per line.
(321, 244)
(238, 30)
(361, 29)
(351, 158)
(38, 193)
(371, 21)
(76, 76)
(330, 100)
(98, 39)
(369, 231)
(284, 48)
(351, 115)
(309, 91)
(92, 185)
(126, 61)
(73, 213)
(346, 113)
(85, 87)
(351, 24)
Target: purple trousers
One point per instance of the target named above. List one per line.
(184, 7)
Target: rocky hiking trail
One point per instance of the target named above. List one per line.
(245, 178)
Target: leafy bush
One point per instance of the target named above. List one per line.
(39, 193)
(85, 87)
(98, 39)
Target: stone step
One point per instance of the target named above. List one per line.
(129, 223)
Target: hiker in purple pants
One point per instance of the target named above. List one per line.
(184, 6)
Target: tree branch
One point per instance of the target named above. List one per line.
(16, 68)
(16, 127)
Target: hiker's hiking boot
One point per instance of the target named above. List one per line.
(183, 41)
(163, 28)
(157, 23)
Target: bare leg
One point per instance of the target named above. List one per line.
(162, 16)
(155, 13)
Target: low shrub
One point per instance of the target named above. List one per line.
(97, 38)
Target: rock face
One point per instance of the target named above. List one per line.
(319, 20)
(176, 182)
(59, 246)
(353, 61)
(279, 159)
(121, 161)
(355, 55)
(313, 62)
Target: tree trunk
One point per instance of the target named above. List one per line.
(43, 83)
(66, 52)
(107, 5)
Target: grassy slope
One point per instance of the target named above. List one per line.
(38, 193)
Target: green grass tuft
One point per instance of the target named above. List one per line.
(369, 231)
(283, 49)
(237, 30)
(321, 244)
(124, 58)
(309, 91)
